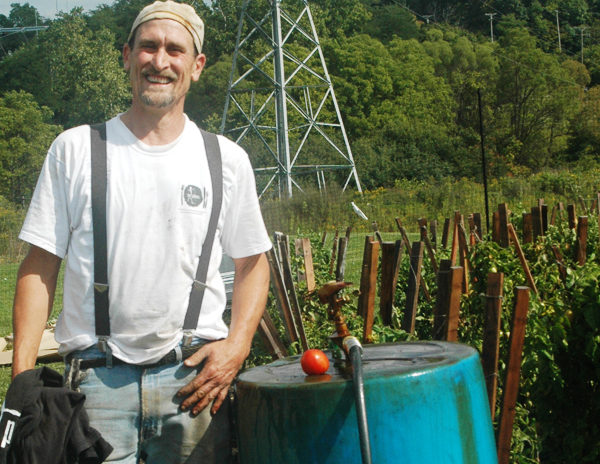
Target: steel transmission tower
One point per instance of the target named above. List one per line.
(280, 101)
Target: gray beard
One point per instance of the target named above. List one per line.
(157, 100)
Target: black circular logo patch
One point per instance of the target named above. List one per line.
(192, 195)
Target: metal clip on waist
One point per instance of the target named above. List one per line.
(105, 348)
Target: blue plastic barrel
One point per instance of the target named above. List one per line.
(426, 404)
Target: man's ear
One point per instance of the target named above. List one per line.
(199, 63)
(126, 56)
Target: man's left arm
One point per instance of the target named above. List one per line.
(224, 358)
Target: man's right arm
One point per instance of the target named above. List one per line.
(36, 284)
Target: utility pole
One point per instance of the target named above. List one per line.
(582, 29)
(558, 28)
(491, 15)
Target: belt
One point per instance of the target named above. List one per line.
(169, 358)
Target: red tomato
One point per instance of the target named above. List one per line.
(314, 362)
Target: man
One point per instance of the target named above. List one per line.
(158, 206)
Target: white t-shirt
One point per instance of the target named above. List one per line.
(158, 207)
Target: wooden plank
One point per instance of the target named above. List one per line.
(300, 275)
(348, 233)
(463, 261)
(309, 269)
(513, 374)
(369, 311)
(496, 227)
(406, 240)
(428, 247)
(340, 269)
(504, 214)
(544, 217)
(270, 337)
(412, 293)
(478, 226)
(433, 231)
(536, 222)
(560, 262)
(291, 289)
(453, 316)
(442, 300)
(389, 280)
(454, 249)
(445, 233)
(334, 252)
(582, 235)
(571, 216)
(491, 336)
(472, 227)
(528, 276)
(365, 276)
(527, 227)
(281, 297)
(553, 217)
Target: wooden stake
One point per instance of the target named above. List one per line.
(309, 269)
(513, 374)
(429, 247)
(504, 214)
(442, 300)
(582, 234)
(454, 250)
(377, 234)
(491, 336)
(463, 262)
(571, 213)
(323, 239)
(291, 290)
(536, 222)
(391, 253)
(452, 319)
(528, 227)
(406, 240)
(528, 276)
(365, 276)
(369, 310)
(478, 226)
(496, 227)
(341, 262)
(583, 205)
(553, 218)
(270, 337)
(281, 297)
(544, 217)
(445, 233)
(433, 231)
(412, 294)
(348, 233)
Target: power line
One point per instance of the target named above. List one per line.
(493, 52)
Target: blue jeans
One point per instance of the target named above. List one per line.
(137, 411)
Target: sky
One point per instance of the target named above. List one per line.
(48, 8)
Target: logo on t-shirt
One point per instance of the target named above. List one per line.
(193, 196)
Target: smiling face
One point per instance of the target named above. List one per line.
(162, 64)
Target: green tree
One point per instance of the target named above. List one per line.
(76, 73)
(25, 136)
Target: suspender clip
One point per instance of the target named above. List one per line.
(187, 338)
(105, 348)
(101, 288)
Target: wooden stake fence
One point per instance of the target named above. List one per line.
(366, 306)
(513, 374)
(391, 255)
(491, 336)
(412, 294)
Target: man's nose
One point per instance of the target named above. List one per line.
(160, 60)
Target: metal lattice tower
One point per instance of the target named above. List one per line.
(280, 101)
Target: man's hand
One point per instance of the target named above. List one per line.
(224, 358)
(222, 361)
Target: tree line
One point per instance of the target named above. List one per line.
(406, 76)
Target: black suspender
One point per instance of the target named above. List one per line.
(101, 288)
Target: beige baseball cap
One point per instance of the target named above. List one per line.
(180, 12)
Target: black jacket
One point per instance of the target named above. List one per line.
(42, 422)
